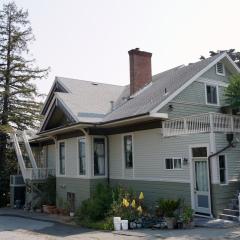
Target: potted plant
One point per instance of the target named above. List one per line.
(168, 208)
(187, 218)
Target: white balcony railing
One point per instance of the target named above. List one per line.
(202, 123)
(38, 173)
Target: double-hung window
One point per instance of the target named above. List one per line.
(128, 151)
(99, 156)
(222, 169)
(82, 156)
(212, 94)
(173, 163)
(62, 158)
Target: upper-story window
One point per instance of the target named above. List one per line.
(220, 69)
(62, 158)
(212, 94)
(128, 153)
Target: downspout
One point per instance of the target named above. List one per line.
(108, 168)
(209, 169)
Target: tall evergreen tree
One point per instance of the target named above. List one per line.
(19, 108)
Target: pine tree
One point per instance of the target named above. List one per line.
(232, 92)
(233, 54)
(19, 108)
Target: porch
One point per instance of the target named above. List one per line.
(202, 123)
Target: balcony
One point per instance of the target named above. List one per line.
(202, 123)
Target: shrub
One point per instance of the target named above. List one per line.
(96, 207)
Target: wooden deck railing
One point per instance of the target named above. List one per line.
(202, 123)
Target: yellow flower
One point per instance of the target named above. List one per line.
(125, 202)
(141, 196)
(133, 204)
(139, 209)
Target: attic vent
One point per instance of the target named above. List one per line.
(94, 83)
(165, 91)
(220, 70)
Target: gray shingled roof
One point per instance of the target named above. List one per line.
(91, 102)
(88, 101)
(153, 95)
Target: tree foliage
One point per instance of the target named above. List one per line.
(232, 92)
(19, 108)
(235, 55)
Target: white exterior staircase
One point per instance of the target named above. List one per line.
(29, 173)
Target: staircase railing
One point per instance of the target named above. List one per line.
(29, 150)
(33, 173)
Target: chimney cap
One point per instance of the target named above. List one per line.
(136, 51)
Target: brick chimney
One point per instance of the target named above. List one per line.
(140, 69)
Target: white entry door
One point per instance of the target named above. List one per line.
(201, 180)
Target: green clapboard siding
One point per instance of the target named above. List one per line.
(154, 190)
(83, 188)
(222, 195)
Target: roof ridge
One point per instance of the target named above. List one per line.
(88, 81)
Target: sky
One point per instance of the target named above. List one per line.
(90, 39)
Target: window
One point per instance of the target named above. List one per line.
(173, 163)
(222, 169)
(220, 70)
(212, 92)
(199, 152)
(128, 154)
(99, 156)
(62, 158)
(82, 156)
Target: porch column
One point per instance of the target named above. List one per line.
(214, 166)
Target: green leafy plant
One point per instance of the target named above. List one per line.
(168, 207)
(187, 215)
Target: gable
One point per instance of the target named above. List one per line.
(57, 117)
(56, 87)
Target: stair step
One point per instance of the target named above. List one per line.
(232, 212)
(228, 217)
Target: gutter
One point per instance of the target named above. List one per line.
(230, 145)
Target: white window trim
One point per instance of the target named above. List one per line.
(105, 160)
(226, 170)
(78, 164)
(173, 169)
(218, 73)
(217, 89)
(65, 151)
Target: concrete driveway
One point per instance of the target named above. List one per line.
(17, 228)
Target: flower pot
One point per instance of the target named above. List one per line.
(45, 208)
(124, 224)
(117, 223)
(71, 214)
(189, 225)
(170, 222)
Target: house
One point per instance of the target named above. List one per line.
(170, 135)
